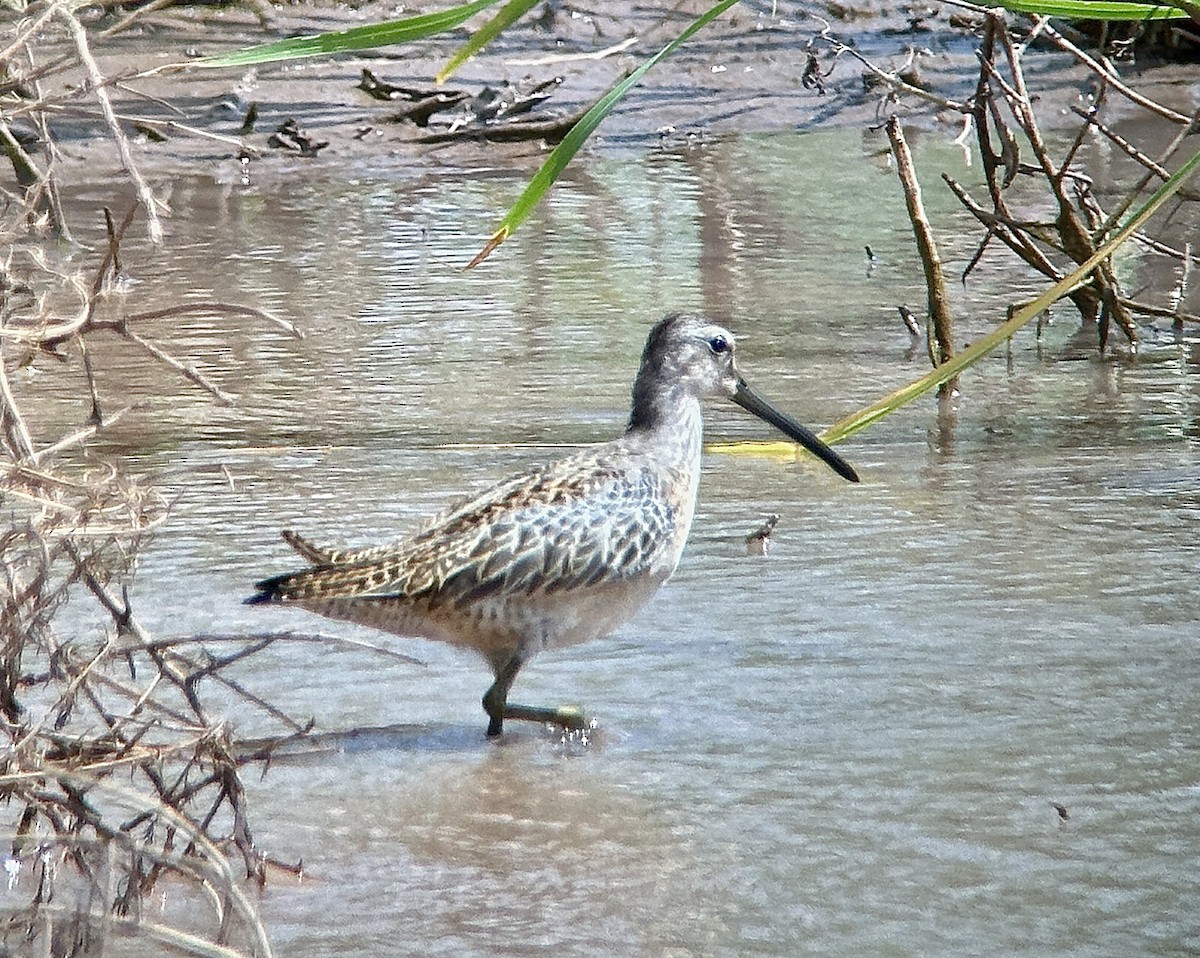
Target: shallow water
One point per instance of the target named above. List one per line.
(849, 746)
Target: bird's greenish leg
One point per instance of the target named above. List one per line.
(495, 699)
(568, 716)
(496, 704)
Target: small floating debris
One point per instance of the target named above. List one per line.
(510, 99)
(291, 137)
(150, 133)
(758, 543)
(456, 113)
(1063, 814)
(872, 261)
(379, 89)
(910, 320)
(503, 113)
(417, 104)
(812, 78)
(249, 120)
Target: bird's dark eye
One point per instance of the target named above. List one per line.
(719, 344)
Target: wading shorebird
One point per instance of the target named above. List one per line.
(563, 553)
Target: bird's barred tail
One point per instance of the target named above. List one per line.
(322, 582)
(269, 590)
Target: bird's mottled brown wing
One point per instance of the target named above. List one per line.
(583, 521)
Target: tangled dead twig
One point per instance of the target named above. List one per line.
(104, 704)
(1001, 114)
(116, 772)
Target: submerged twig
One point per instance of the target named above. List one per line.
(227, 309)
(82, 435)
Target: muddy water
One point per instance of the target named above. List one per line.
(849, 746)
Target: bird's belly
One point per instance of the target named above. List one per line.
(498, 626)
(562, 619)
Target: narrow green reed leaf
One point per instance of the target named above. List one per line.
(1094, 9)
(509, 14)
(355, 38)
(578, 134)
(968, 357)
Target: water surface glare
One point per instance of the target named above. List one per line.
(847, 747)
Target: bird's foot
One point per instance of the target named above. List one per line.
(569, 717)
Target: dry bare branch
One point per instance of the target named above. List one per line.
(148, 200)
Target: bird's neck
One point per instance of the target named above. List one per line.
(667, 416)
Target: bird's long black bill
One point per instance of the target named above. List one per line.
(751, 401)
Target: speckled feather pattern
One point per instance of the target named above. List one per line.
(596, 518)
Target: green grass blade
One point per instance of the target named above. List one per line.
(570, 144)
(509, 14)
(356, 38)
(1094, 9)
(968, 357)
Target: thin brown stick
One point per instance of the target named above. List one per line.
(893, 81)
(1105, 71)
(935, 282)
(28, 30)
(1161, 312)
(984, 109)
(1093, 121)
(189, 372)
(28, 174)
(303, 637)
(130, 19)
(1172, 147)
(262, 703)
(226, 309)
